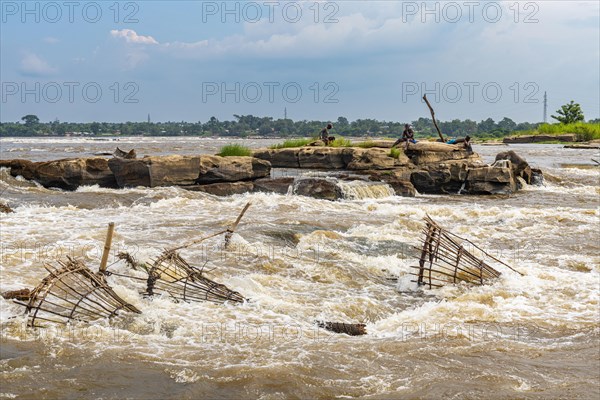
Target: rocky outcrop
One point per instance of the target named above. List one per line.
(567, 137)
(442, 178)
(24, 168)
(69, 174)
(351, 158)
(352, 173)
(398, 179)
(491, 180)
(231, 169)
(131, 154)
(424, 153)
(324, 157)
(279, 158)
(186, 170)
(66, 174)
(356, 158)
(375, 158)
(519, 166)
(130, 173)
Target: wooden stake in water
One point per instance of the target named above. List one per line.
(107, 244)
(231, 230)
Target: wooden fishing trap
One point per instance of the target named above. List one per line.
(71, 291)
(444, 259)
(169, 274)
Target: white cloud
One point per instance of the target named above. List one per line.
(34, 65)
(131, 36)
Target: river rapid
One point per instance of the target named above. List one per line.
(299, 260)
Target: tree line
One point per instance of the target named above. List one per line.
(249, 125)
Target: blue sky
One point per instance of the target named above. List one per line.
(190, 60)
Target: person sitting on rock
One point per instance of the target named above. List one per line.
(325, 134)
(408, 136)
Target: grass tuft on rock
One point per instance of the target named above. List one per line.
(341, 142)
(292, 143)
(395, 153)
(366, 144)
(234, 150)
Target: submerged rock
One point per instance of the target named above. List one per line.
(319, 188)
(223, 188)
(5, 208)
(273, 185)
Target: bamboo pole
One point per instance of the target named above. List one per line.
(107, 244)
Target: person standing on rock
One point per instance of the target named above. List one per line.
(325, 134)
(408, 135)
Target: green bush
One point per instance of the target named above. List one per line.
(292, 143)
(231, 150)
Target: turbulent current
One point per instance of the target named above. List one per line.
(300, 260)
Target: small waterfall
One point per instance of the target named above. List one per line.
(462, 187)
(358, 190)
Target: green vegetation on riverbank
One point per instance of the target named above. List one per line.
(585, 131)
(248, 125)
